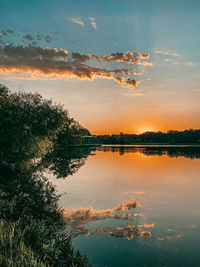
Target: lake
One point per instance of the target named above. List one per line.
(135, 206)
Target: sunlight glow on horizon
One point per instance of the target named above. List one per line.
(144, 129)
(138, 130)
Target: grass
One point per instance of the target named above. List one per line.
(15, 253)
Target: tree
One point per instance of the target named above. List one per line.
(29, 128)
(71, 133)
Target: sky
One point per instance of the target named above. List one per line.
(116, 65)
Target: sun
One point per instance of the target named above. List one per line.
(143, 129)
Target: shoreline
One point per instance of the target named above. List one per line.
(150, 145)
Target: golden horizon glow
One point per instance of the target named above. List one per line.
(137, 131)
(143, 129)
(137, 124)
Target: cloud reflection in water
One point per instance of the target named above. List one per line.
(76, 220)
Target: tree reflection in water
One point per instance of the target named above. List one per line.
(191, 152)
(65, 162)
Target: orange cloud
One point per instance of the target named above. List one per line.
(77, 21)
(128, 58)
(145, 55)
(76, 219)
(53, 63)
(93, 23)
(145, 63)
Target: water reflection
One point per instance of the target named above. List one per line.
(65, 162)
(171, 151)
(78, 218)
(165, 228)
(26, 191)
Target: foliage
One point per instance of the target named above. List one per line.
(171, 137)
(31, 218)
(14, 252)
(71, 133)
(28, 124)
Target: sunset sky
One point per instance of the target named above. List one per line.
(116, 65)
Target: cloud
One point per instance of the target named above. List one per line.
(48, 39)
(145, 55)
(10, 31)
(173, 57)
(176, 62)
(78, 21)
(128, 58)
(128, 231)
(170, 59)
(34, 62)
(178, 236)
(93, 23)
(127, 206)
(38, 37)
(87, 215)
(167, 52)
(145, 63)
(187, 63)
(76, 220)
(5, 32)
(28, 37)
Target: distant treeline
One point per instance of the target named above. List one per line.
(191, 136)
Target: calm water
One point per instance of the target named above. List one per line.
(164, 227)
